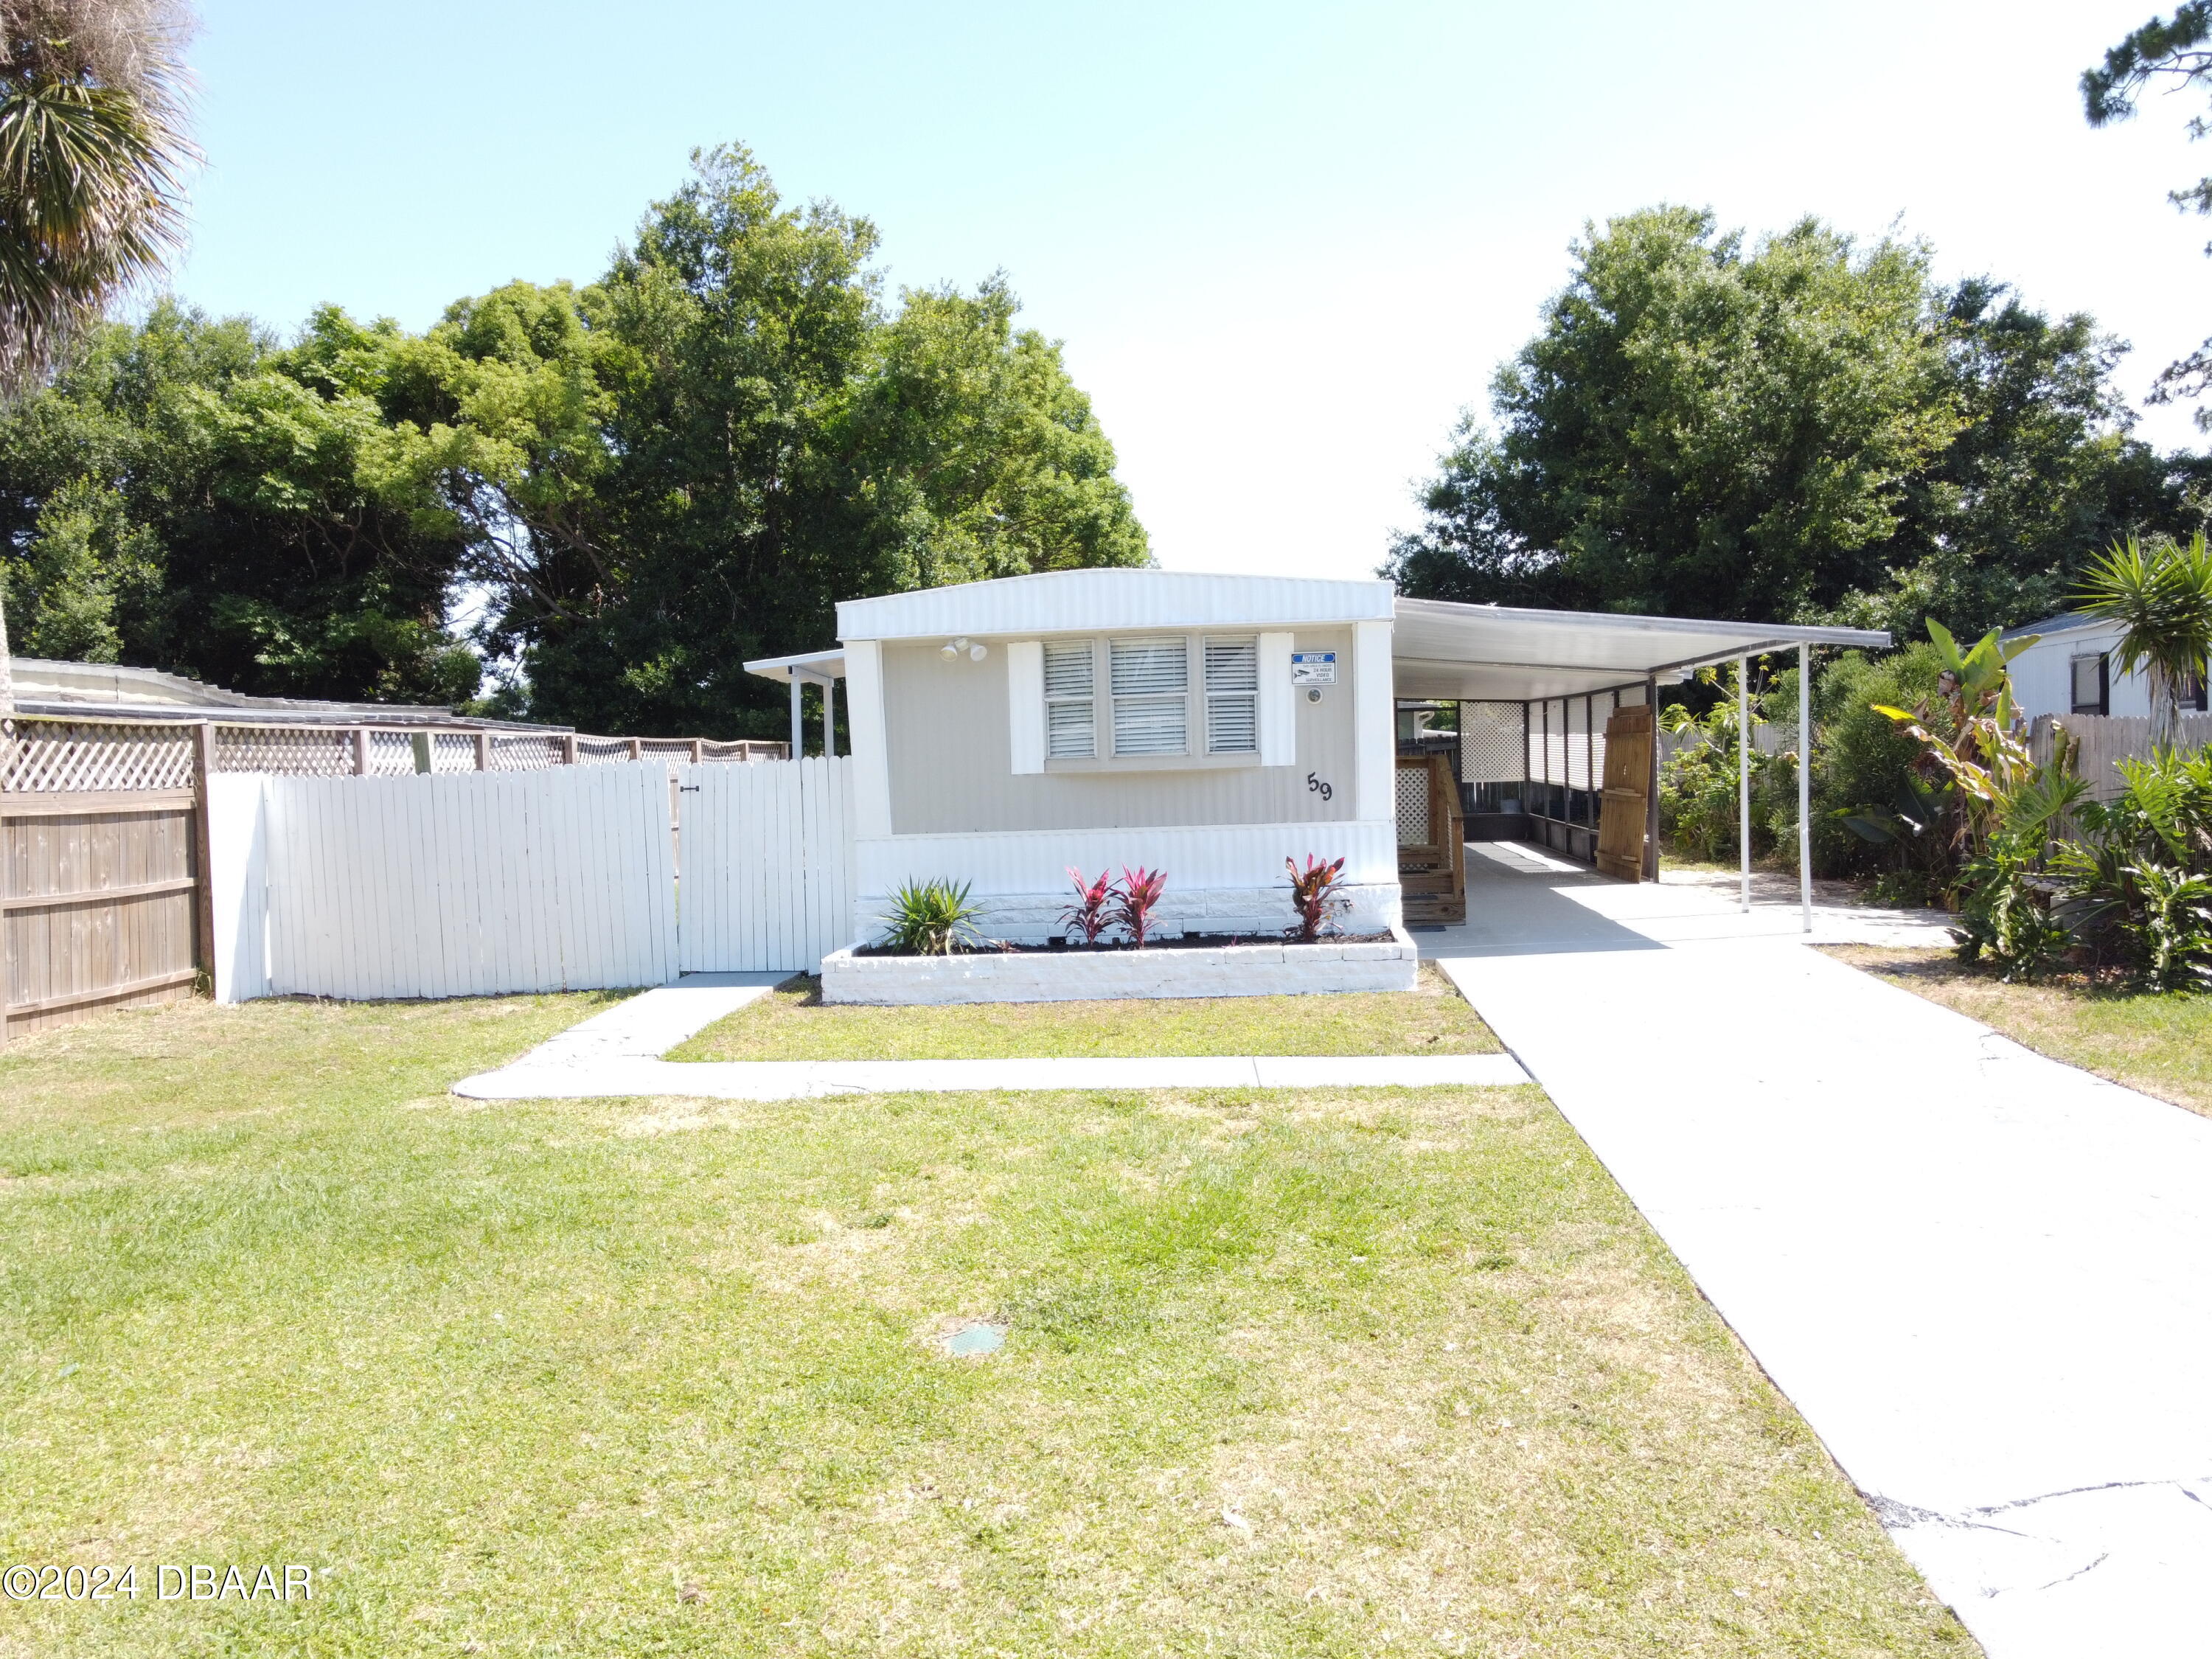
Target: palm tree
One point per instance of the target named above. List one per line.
(2161, 597)
(92, 151)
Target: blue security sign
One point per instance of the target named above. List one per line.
(1313, 668)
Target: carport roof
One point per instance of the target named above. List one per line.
(1489, 653)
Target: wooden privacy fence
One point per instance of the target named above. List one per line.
(103, 837)
(2105, 741)
(768, 866)
(98, 901)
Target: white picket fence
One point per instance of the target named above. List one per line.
(767, 864)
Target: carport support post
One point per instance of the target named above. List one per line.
(798, 730)
(1651, 785)
(1805, 780)
(1743, 773)
(828, 717)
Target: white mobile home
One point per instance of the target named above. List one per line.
(2071, 669)
(1213, 727)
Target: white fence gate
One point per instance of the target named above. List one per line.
(767, 864)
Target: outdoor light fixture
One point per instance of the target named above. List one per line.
(951, 649)
(977, 652)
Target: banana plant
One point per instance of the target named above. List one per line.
(1972, 735)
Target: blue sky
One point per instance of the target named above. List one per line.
(1284, 244)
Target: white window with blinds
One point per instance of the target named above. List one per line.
(1070, 717)
(1149, 681)
(1232, 695)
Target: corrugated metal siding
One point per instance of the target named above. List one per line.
(947, 740)
(1084, 601)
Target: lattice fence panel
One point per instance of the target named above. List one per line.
(391, 753)
(452, 752)
(741, 749)
(597, 750)
(1490, 743)
(524, 753)
(1412, 806)
(311, 753)
(667, 748)
(69, 754)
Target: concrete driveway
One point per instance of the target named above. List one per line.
(1985, 1278)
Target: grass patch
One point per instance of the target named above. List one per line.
(2158, 1043)
(1290, 1373)
(793, 1022)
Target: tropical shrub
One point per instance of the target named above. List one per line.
(932, 919)
(1091, 914)
(1316, 894)
(2002, 810)
(2137, 883)
(1698, 809)
(1871, 808)
(1135, 900)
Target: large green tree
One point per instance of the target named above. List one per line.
(689, 463)
(1805, 428)
(189, 495)
(634, 486)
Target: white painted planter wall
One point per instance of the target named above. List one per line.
(1240, 971)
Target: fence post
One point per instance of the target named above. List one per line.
(360, 751)
(637, 749)
(203, 850)
(483, 752)
(568, 749)
(698, 751)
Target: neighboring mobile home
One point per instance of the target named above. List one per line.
(2071, 669)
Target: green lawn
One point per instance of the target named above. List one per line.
(1299, 1373)
(793, 1022)
(2160, 1044)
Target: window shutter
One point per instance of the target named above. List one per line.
(1279, 702)
(1025, 703)
(1071, 706)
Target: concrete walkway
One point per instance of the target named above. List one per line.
(1985, 1278)
(616, 1054)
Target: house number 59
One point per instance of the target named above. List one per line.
(1319, 786)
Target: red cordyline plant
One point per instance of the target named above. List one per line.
(1133, 903)
(1317, 896)
(1091, 914)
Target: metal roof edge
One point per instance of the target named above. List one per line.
(1780, 633)
(999, 608)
